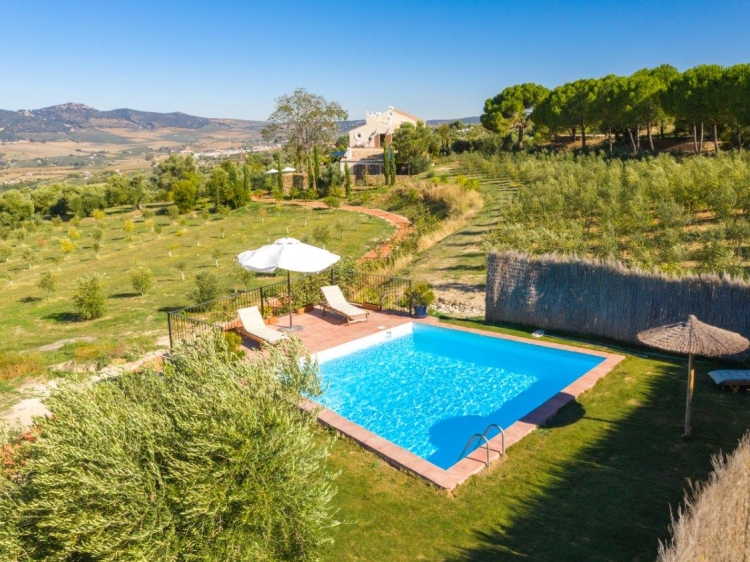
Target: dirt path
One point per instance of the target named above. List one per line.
(402, 224)
(456, 266)
(21, 414)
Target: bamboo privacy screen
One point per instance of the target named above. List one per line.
(607, 299)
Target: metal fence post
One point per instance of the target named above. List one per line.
(169, 324)
(262, 309)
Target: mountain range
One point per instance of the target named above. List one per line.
(66, 119)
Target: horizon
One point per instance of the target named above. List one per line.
(232, 61)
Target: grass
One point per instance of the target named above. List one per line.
(456, 265)
(29, 318)
(596, 483)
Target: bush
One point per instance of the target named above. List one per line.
(206, 287)
(15, 365)
(173, 211)
(419, 295)
(47, 283)
(332, 201)
(6, 251)
(321, 234)
(89, 297)
(213, 461)
(141, 279)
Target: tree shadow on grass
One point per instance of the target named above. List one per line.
(125, 295)
(63, 317)
(481, 267)
(172, 308)
(29, 300)
(612, 500)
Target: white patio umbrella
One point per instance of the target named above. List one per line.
(287, 169)
(289, 254)
(272, 171)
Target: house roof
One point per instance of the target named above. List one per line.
(408, 115)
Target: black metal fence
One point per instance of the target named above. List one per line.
(272, 300)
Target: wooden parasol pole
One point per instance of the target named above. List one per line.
(690, 387)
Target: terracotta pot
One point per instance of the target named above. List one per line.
(271, 320)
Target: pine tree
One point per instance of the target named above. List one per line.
(347, 181)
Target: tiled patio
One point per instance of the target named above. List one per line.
(321, 332)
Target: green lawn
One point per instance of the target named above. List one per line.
(28, 319)
(596, 484)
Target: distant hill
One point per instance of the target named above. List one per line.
(347, 126)
(69, 118)
(464, 120)
(61, 121)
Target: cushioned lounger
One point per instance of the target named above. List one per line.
(255, 328)
(733, 378)
(336, 301)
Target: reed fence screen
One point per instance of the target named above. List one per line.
(220, 314)
(608, 299)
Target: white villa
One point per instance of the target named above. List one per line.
(366, 142)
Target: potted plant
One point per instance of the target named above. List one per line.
(419, 297)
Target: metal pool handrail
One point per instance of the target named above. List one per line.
(483, 436)
(471, 440)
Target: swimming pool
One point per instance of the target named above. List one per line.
(428, 389)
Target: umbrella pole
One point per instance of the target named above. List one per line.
(689, 402)
(289, 292)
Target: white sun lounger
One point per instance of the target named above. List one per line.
(336, 302)
(255, 328)
(733, 378)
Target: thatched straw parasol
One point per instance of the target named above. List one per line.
(694, 338)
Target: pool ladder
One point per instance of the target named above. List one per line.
(483, 438)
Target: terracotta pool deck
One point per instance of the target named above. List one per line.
(321, 332)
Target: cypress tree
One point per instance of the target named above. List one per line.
(347, 181)
(392, 167)
(386, 166)
(279, 179)
(316, 167)
(310, 182)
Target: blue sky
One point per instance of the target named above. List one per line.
(436, 59)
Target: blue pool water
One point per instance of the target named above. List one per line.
(428, 391)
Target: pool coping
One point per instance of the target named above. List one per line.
(473, 463)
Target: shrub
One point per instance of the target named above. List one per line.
(141, 279)
(321, 234)
(89, 297)
(47, 283)
(332, 201)
(206, 287)
(67, 246)
(172, 468)
(419, 295)
(173, 211)
(6, 251)
(15, 365)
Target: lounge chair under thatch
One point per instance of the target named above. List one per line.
(336, 302)
(733, 378)
(255, 328)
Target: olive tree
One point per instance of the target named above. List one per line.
(304, 120)
(210, 460)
